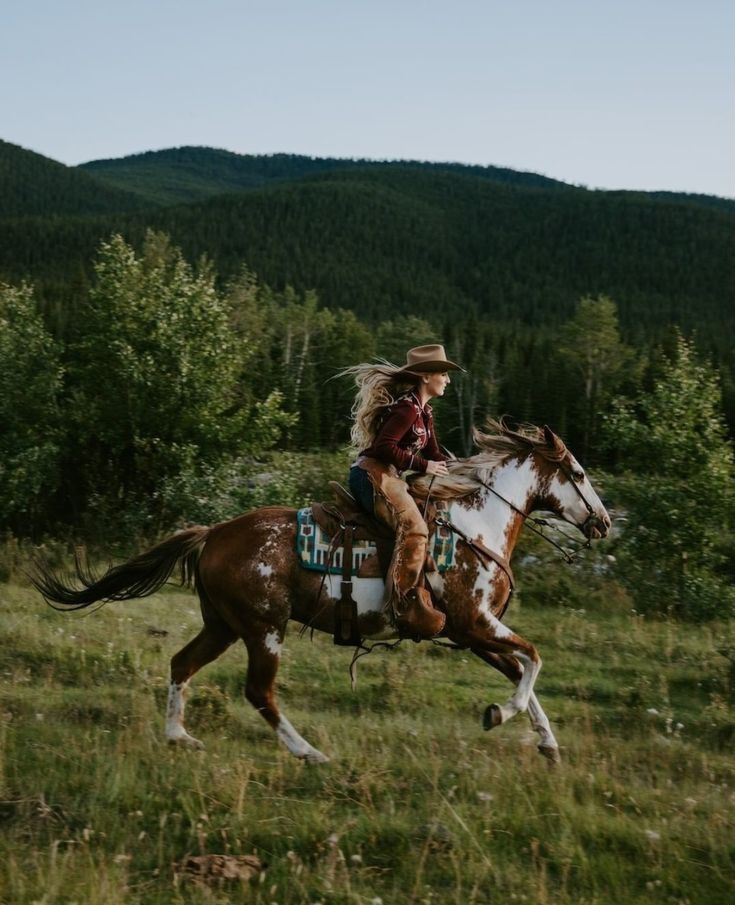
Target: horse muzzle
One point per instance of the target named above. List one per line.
(595, 528)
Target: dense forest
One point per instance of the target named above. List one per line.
(485, 256)
(154, 353)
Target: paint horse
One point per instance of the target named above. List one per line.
(250, 583)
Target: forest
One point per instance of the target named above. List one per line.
(158, 352)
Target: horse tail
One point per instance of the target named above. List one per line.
(138, 577)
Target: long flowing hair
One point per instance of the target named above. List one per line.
(378, 384)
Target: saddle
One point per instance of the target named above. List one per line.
(346, 523)
(335, 518)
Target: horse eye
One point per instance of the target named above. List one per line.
(578, 476)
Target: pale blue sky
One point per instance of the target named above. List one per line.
(625, 94)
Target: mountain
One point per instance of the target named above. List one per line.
(442, 240)
(497, 258)
(711, 201)
(180, 175)
(384, 241)
(34, 185)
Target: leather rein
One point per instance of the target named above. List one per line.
(483, 552)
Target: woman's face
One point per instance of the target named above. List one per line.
(436, 383)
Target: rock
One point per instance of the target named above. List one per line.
(211, 870)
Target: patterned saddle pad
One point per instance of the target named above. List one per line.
(312, 547)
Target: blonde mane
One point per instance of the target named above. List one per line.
(498, 443)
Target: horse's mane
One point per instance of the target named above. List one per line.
(497, 443)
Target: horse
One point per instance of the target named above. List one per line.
(250, 583)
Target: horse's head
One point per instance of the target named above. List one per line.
(565, 488)
(531, 467)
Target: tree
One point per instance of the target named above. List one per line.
(30, 433)
(473, 393)
(591, 346)
(676, 489)
(154, 383)
(393, 338)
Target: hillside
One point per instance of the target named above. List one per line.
(180, 175)
(34, 185)
(402, 240)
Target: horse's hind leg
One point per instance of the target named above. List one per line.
(513, 670)
(212, 641)
(264, 655)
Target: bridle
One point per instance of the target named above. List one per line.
(532, 522)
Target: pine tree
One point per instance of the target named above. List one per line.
(591, 346)
(677, 490)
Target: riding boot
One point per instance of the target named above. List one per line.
(408, 605)
(412, 606)
(416, 617)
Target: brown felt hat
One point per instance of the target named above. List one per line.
(428, 359)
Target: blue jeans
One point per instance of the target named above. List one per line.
(361, 488)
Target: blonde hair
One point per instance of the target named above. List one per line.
(378, 386)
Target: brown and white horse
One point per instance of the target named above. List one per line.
(250, 583)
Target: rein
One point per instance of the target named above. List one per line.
(481, 551)
(531, 523)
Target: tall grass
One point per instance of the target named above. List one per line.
(417, 805)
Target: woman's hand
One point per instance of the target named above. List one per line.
(436, 468)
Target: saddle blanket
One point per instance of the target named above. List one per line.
(312, 547)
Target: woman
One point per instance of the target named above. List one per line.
(394, 428)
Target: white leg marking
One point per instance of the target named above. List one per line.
(298, 745)
(175, 731)
(273, 643)
(518, 702)
(540, 723)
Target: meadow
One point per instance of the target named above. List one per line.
(417, 805)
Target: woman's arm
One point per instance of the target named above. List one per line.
(431, 450)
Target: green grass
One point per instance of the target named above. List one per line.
(417, 805)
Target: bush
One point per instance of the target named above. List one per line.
(677, 491)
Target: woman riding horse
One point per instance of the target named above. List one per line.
(394, 428)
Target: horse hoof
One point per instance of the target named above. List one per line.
(492, 718)
(550, 753)
(316, 757)
(186, 741)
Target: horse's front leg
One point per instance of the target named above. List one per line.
(511, 668)
(489, 635)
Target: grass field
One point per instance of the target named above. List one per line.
(417, 805)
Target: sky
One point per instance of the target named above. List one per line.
(636, 95)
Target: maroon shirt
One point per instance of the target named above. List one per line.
(406, 436)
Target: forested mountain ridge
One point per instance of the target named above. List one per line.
(180, 175)
(34, 185)
(557, 300)
(399, 240)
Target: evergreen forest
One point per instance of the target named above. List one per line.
(170, 319)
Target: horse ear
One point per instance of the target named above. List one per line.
(553, 441)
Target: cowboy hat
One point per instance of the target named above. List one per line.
(428, 359)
